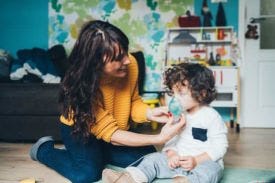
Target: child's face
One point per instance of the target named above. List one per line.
(183, 93)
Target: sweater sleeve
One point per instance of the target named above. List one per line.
(138, 107)
(105, 125)
(217, 135)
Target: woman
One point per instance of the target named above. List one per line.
(99, 96)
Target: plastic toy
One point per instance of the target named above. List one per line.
(175, 108)
(251, 33)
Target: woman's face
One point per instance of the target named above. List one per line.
(117, 68)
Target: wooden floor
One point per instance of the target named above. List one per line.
(252, 148)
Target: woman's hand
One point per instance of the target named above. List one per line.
(158, 114)
(188, 162)
(171, 129)
(174, 161)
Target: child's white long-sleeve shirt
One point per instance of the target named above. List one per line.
(204, 132)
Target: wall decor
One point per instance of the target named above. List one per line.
(144, 21)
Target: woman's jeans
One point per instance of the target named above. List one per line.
(83, 162)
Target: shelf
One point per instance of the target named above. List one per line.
(214, 40)
(223, 67)
(200, 28)
(202, 42)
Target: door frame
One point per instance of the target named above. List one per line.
(241, 33)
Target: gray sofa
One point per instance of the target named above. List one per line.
(28, 111)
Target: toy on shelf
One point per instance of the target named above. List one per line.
(198, 49)
(220, 17)
(189, 20)
(205, 36)
(211, 60)
(221, 51)
(184, 37)
(207, 15)
(220, 34)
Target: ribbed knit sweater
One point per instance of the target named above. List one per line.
(122, 102)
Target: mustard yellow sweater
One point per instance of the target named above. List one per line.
(121, 101)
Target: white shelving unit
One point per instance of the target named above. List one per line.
(227, 84)
(195, 44)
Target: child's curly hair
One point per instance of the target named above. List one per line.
(200, 78)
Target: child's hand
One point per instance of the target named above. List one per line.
(174, 161)
(188, 162)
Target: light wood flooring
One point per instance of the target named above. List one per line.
(251, 148)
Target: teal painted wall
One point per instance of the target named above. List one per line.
(23, 24)
(231, 8)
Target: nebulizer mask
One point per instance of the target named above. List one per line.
(176, 107)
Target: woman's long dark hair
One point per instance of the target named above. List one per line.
(80, 95)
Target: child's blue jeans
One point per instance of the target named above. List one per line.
(83, 162)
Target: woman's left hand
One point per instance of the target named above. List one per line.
(158, 114)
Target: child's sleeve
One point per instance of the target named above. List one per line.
(171, 144)
(217, 136)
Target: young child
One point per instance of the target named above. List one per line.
(196, 154)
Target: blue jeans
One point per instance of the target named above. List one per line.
(83, 162)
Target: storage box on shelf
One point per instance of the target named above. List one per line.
(211, 46)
